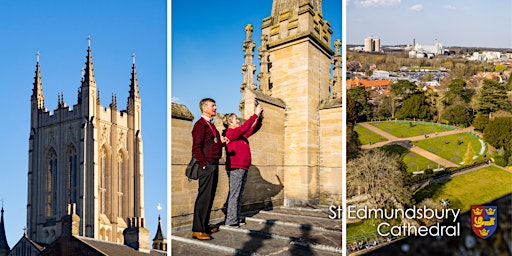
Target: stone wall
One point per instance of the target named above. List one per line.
(265, 179)
(264, 184)
(330, 152)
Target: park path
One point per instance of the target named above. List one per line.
(504, 168)
(391, 139)
(433, 157)
(451, 175)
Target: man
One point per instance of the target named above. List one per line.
(207, 149)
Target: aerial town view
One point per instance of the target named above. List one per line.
(270, 127)
(429, 135)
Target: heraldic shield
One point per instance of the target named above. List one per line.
(484, 220)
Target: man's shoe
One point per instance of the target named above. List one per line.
(201, 236)
(214, 230)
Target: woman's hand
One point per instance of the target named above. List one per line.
(258, 110)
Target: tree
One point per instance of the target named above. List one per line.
(498, 132)
(433, 101)
(492, 97)
(353, 143)
(351, 110)
(403, 88)
(480, 121)
(414, 107)
(361, 96)
(456, 92)
(457, 114)
(382, 175)
(385, 108)
(499, 68)
(468, 157)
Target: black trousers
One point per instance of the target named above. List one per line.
(204, 200)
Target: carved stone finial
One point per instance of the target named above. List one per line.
(337, 45)
(248, 32)
(248, 68)
(264, 74)
(113, 105)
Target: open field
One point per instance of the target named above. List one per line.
(406, 129)
(413, 161)
(366, 136)
(474, 188)
(451, 147)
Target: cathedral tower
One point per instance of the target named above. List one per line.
(298, 43)
(89, 156)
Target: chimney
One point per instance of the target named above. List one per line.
(136, 235)
(70, 222)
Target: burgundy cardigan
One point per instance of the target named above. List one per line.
(201, 136)
(238, 150)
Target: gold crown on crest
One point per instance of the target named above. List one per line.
(477, 211)
(490, 211)
(484, 232)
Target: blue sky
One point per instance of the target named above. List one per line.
(452, 22)
(207, 54)
(59, 31)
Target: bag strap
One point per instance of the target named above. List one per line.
(208, 147)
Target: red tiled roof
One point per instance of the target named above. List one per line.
(367, 83)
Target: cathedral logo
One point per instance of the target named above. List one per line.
(484, 220)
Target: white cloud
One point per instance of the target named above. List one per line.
(416, 8)
(449, 7)
(175, 99)
(376, 3)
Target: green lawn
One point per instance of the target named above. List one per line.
(404, 129)
(451, 147)
(413, 161)
(416, 162)
(469, 189)
(366, 136)
(356, 231)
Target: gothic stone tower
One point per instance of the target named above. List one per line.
(295, 64)
(90, 156)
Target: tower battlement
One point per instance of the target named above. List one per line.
(293, 21)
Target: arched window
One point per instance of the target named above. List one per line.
(51, 182)
(103, 181)
(121, 169)
(72, 174)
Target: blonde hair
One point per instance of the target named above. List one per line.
(226, 120)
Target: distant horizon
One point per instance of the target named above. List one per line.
(455, 23)
(446, 46)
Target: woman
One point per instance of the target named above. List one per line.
(238, 160)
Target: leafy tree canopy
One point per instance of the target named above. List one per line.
(493, 97)
(414, 107)
(457, 114)
(403, 88)
(498, 132)
(456, 92)
(480, 121)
